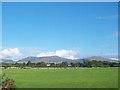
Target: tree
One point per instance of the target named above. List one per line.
(28, 63)
(87, 64)
(78, 64)
(72, 64)
(52, 64)
(41, 64)
(64, 64)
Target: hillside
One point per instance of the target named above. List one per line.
(57, 59)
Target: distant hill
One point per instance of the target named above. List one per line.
(100, 58)
(48, 59)
(76, 60)
(7, 61)
(57, 59)
(97, 58)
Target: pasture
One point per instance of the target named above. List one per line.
(64, 78)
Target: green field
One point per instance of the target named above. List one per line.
(64, 78)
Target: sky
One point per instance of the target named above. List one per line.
(65, 29)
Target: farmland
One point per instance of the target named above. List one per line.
(64, 77)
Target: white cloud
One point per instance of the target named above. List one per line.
(108, 17)
(115, 34)
(10, 53)
(18, 53)
(69, 54)
(114, 58)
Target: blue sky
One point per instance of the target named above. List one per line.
(90, 27)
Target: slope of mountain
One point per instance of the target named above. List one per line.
(76, 60)
(32, 59)
(49, 59)
(97, 58)
(57, 59)
(7, 61)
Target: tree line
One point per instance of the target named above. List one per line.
(93, 63)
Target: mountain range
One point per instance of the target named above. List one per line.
(57, 59)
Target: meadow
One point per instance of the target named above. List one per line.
(64, 78)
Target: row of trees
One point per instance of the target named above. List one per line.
(65, 64)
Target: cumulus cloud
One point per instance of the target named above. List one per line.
(10, 53)
(15, 53)
(69, 54)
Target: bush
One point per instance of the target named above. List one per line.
(7, 83)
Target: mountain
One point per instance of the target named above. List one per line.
(25, 60)
(7, 61)
(76, 60)
(97, 58)
(57, 59)
(115, 56)
(48, 59)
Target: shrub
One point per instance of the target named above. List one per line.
(7, 83)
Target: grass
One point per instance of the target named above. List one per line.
(64, 78)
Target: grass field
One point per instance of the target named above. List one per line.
(64, 78)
